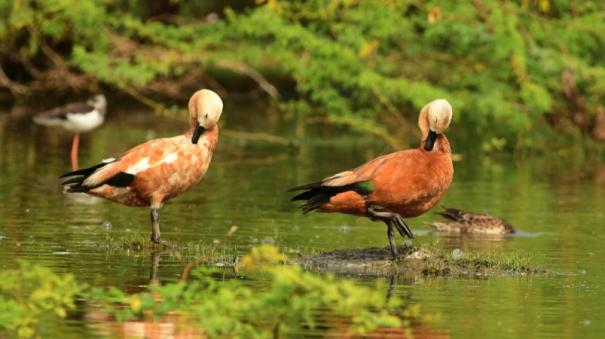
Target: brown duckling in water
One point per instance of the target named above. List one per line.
(471, 223)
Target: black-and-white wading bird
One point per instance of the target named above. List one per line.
(78, 117)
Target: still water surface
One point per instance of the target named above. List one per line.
(560, 212)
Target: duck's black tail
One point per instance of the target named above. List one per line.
(74, 181)
(317, 194)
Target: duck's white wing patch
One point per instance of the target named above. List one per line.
(140, 166)
(144, 164)
(169, 158)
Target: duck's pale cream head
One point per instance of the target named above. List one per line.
(434, 119)
(205, 108)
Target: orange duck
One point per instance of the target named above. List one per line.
(389, 188)
(154, 172)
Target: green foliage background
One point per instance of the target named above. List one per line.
(520, 74)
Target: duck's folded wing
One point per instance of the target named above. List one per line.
(120, 171)
(138, 159)
(78, 181)
(362, 173)
(358, 180)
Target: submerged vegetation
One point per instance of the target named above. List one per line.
(209, 306)
(369, 65)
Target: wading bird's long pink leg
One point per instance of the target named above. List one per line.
(74, 152)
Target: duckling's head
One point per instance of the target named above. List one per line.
(205, 108)
(434, 119)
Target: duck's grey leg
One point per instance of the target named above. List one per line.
(391, 236)
(391, 219)
(397, 220)
(402, 227)
(155, 225)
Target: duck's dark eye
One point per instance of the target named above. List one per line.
(206, 115)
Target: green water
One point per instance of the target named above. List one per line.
(558, 208)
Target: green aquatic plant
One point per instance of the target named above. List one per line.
(31, 293)
(290, 300)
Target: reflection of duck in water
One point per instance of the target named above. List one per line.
(471, 223)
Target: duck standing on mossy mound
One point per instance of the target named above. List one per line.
(389, 188)
(464, 222)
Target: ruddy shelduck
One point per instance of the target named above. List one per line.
(394, 186)
(78, 117)
(158, 170)
(464, 222)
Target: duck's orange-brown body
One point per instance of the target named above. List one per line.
(407, 182)
(162, 169)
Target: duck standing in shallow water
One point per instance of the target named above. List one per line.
(79, 117)
(464, 222)
(154, 172)
(394, 186)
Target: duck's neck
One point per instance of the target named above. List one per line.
(441, 144)
(209, 137)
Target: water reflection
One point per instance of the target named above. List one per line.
(155, 266)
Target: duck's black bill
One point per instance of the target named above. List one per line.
(197, 133)
(430, 141)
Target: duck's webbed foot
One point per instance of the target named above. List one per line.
(391, 219)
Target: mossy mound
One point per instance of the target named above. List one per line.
(413, 260)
